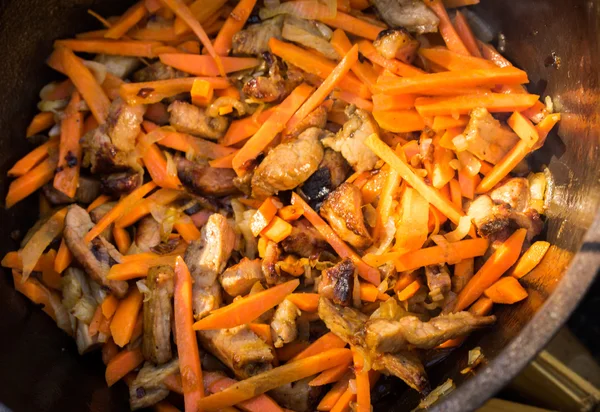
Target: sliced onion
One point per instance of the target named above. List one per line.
(387, 239)
(324, 29)
(40, 240)
(55, 106)
(144, 289)
(462, 230)
(171, 166)
(63, 320)
(55, 130)
(97, 69)
(356, 292)
(305, 9)
(412, 231)
(213, 109)
(460, 142)
(442, 390)
(84, 309)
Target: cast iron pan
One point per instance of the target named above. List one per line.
(554, 40)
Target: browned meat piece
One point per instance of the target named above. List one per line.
(206, 299)
(191, 119)
(94, 258)
(288, 165)
(268, 265)
(205, 180)
(514, 192)
(487, 138)
(397, 44)
(157, 71)
(158, 312)
(346, 323)
(530, 220)
(305, 240)
(298, 396)
(254, 40)
(239, 348)
(87, 191)
(332, 172)
(283, 325)
(148, 387)
(124, 122)
(238, 279)
(310, 34)
(384, 335)
(438, 281)
(349, 141)
(101, 155)
(488, 217)
(413, 15)
(147, 236)
(406, 366)
(316, 118)
(343, 210)
(337, 283)
(118, 184)
(98, 213)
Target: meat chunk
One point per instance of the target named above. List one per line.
(298, 396)
(254, 40)
(438, 281)
(191, 119)
(350, 140)
(94, 258)
(514, 193)
(337, 283)
(204, 180)
(487, 138)
(283, 325)
(98, 213)
(238, 279)
(118, 184)
(148, 387)
(87, 191)
(488, 217)
(413, 15)
(343, 210)
(239, 348)
(316, 118)
(276, 85)
(147, 235)
(332, 172)
(397, 44)
(268, 265)
(305, 240)
(385, 335)
(206, 299)
(157, 71)
(308, 33)
(288, 165)
(406, 366)
(346, 323)
(158, 312)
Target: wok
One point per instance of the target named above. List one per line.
(555, 41)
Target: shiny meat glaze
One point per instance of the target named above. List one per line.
(204, 180)
(337, 283)
(305, 240)
(283, 325)
(238, 279)
(487, 138)
(413, 15)
(187, 118)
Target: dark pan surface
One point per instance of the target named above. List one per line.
(39, 366)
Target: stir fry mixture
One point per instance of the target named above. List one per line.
(266, 206)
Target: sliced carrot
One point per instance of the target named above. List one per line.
(202, 93)
(122, 239)
(109, 351)
(95, 322)
(164, 406)
(385, 102)
(186, 228)
(109, 306)
(452, 252)
(234, 23)
(536, 113)
(448, 122)
(399, 121)
(265, 213)
(99, 201)
(504, 166)
(290, 213)
(333, 396)
(261, 403)
(247, 309)
(493, 102)
(530, 259)
(31, 181)
(281, 375)
(506, 290)
(316, 64)
(155, 91)
(324, 343)
(120, 208)
(65, 61)
(33, 158)
(242, 129)
(63, 257)
(330, 82)
(156, 164)
(353, 25)
(187, 345)
(343, 403)
(142, 208)
(132, 269)
(362, 70)
(263, 331)
(394, 65)
(202, 11)
(123, 321)
(502, 259)
(50, 276)
(123, 363)
(40, 122)
(453, 61)
(269, 129)
(277, 230)
(35, 292)
(367, 272)
(545, 126)
(66, 178)
(307, 302)
(129, 19)
(351, 98)
(132, 48)
(409, 291)
(449, 34)
(187, 143)
(370, 293)
(490, 53)
(202, 65)
(466, 34)
(290, 350)
(482, 307)
(523, 128)
(225, 162)
(331, 375)
(467, 184)
(363, 387)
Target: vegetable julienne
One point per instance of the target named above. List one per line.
(247, 182)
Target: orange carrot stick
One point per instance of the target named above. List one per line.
(324, 343)
(367, 272)
(448, 122)
(261, 403)
(399, 121)
(122, 239)
(132, 48)
(530, 259)
(363, 388)
(184, 13)
(363, 71)
(246, 127)
(155, 91)
(33, 158)
(333, 396)
(290, 213)
(202, 65)
(466, 34)
(506, 290)
(187, 345)
(133, 269)
(142, 208)
(120, 208)
(290, 350)
(66, 179)
(129, 19)
(351, 98)
(234, 23)
(308, 302)
(281, 375)
(109, 306)
(95, 322)
(123, 363)
(455, 251)
(265, 213)
(99, 201)
(455, 61)
(35, 292)
(40, 122)
(202, 11)
(384, 102)
(156, 164)
(186, 228)
(523, 128)
(66, 62)
(468, 184)
(31, 181)
(343, 403)
(269, 130)
(494, 102)
(50, 276)
(63, 257)
(247, 309)
(449, 34)
(332, 80)
(370, 293)
(331, 375)
(123, 321)
(393, 65)
(502, 259)
(504, 166)
(225, 162)
(482, 307)
(353, 25)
